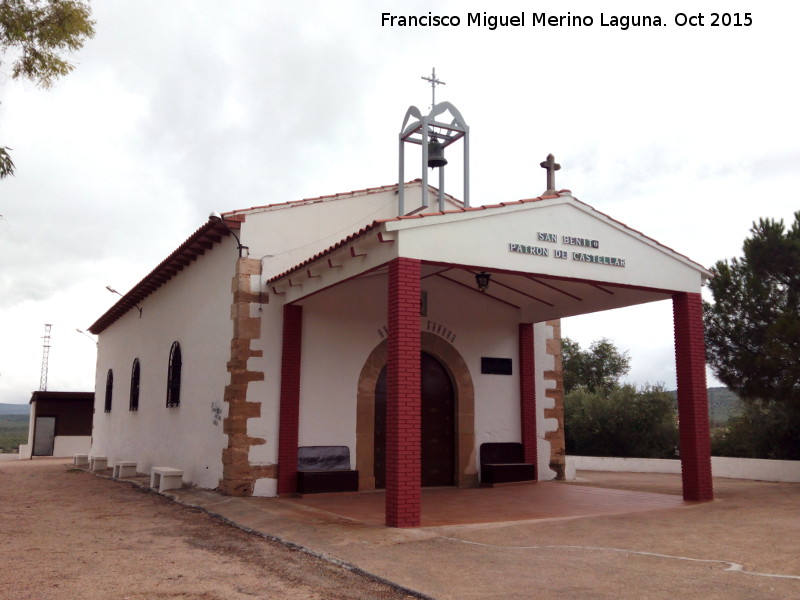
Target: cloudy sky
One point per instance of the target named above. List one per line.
(179, 108)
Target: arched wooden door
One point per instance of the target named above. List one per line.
(438, 425)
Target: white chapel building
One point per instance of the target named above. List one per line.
(398, 330)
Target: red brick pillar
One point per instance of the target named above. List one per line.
(403, 403)
(289, 420)
(527, 393)
(690, 362)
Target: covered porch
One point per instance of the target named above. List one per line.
(546, 258)
(520, 502)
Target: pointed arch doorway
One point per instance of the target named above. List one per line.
(438, 425)
(465, 470)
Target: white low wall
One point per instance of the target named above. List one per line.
(63, 446)
(25, 451)
(756, 468)
(721, 466)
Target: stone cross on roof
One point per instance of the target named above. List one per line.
(434, 82)
(552, 166)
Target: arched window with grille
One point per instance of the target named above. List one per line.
(135, 375)
(109, 389)
(174, 376)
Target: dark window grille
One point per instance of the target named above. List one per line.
(109, 390)
(135, 374)
(174, 376)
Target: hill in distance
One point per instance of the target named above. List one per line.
(15, 409)
(723, 404)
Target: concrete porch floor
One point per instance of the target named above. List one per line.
(519, 502)
(529, 501)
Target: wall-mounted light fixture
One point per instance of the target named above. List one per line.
(482, 280)
(113, 291)
(217, 218)
(82, 332)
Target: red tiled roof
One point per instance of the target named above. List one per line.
(467, 209)
(195, 245)
(203, 239)
(329, 197)
(336, 246)
(211, 232)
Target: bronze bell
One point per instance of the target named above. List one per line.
(436, 154)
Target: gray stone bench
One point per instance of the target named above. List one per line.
(165, 478)
(124, 468)
(323, 469)
(98, 463)
(80, 460)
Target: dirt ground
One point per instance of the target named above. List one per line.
(66, 534)
(72, 535)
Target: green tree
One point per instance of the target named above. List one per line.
(36, 34)
(598, 368)
(763, 430)
(623, 422)
(753, 325)
(6, 164)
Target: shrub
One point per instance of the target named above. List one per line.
(622, 422)
(763, 430)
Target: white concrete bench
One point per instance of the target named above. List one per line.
(165, 478)
(124, 468)
(80, 460)
(98, 463)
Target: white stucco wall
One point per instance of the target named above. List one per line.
(289, 234)
(341, 327)
(483, 327)
(341, 324)
(194, 309)
(339, 332)
(25, 451)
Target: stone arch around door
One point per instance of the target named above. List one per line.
(466, 468)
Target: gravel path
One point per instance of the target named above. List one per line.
(66, 534)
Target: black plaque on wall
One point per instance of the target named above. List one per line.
(495, 366)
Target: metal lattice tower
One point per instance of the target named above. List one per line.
(45, 357)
